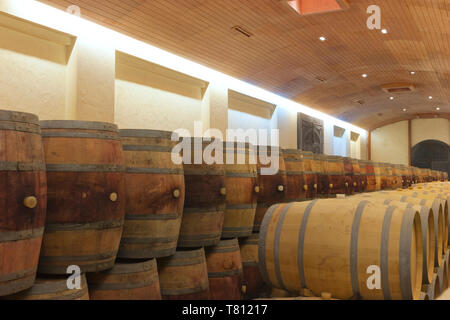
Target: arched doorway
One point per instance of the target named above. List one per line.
(432, 154)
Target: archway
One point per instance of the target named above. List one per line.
(431, 154)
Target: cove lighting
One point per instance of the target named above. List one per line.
(51, 17)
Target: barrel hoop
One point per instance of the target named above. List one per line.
(403, 198)
(354, 247)
(384, 250)
(155, 171)
(242, 229)
(77, 124)
(293, 160)
(125, 268)
(279, 172)
(225, 274)
(165, 216)
(183, 291)
(82, 135)
(250, 264)
(405, 254)
(99, 225)
(310, 172)
(21, 127)
(387, 202)
(231, 174)
(276, 247)
(148, 240)
(203, 172)
(183, 263)
(53, 287)
(142, 133)
(335, 173)
(18, 275)
(262, 243)
(100, 256)
(123, 285)
(22, 166)
(191, 237)
(241, 206)
(415, 195)
(295, 173)
(423, 202)
(147, 148)
(301, 242)
(17, 116)
(218, 210)
(214, 249)
(84, 168)
(7, 236)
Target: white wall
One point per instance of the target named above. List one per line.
(390, 143)
(430, 129)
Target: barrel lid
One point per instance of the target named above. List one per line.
(16, 116)
(145, 133)
(76, 124)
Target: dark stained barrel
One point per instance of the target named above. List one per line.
(86, 196)
(370, 175)
(53, 288)
(205, 200)
(362, 175)
(127, 280)
(357, 179)
(349, 177)
(297, 183)
(253, 282)
(320, 167)
(336, 175)
(225, 271)
(184, 276)
(23, 200)
(310, 175)
(272, 185)
(242, 187)
(154, 193)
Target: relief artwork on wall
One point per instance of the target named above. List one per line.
(310, 134)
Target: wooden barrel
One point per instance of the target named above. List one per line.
(310, 175)
(378, 175)
(127, 280)
(205, 199)
(86, 196)
(53, 288)
(433, 289)
(154, 195)
(301, 245)
(241, 183)
(272, 187)
(255, 286)
(23, 200)
(429, 233)
(336, 175)
(410, 175)
(225, 271)
(363, 175)
(398, 176)
(297, 183)
(349, 177)
(434, 203)
(184, 276)
(417, 176)
(357, 179)
(369, 176)
(386, 176)
(320, 167)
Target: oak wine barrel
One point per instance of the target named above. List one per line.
(297, 182)
(23, 200)
(336, 175)
(310, 175)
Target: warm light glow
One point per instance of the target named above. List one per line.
(384, 31)
(322, 38)
(404, 110)
(430, 97)
(413, 72)
(364, 75)
(392, 98)
(438, 108)
(48, 16)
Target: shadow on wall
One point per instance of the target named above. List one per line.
(431, 154)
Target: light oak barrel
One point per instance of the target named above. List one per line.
(53, 288)
(252, 277)
(155, 191)
(86, 196)
(184, 276)
(320, 167)
(23, 200)
(336, 175)
(205, 200)
(357, 178)
(272, 182)
(349, 176)
(225, 271)
(438, 213)
(363, 175)
(301, 245)
(310, 175)
(370, 175)
(241, 182)
(127, 280)
(378, 175)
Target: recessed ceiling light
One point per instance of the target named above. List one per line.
(430, 97)
(364, 75)
(413, 72)
(322, 38)
(437, 108)
(404, 109)
(384, 31)
(392, 98)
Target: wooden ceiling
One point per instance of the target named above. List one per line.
(285, 56)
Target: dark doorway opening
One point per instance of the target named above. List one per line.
(431, 154)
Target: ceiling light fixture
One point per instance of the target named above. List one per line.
(430, 97)
(322, 38)
(413, 72)
(437, 108)
(364, 75)
(392, 98)
(384, 31)
(404, 109)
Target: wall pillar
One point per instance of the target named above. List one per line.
(215, 108)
